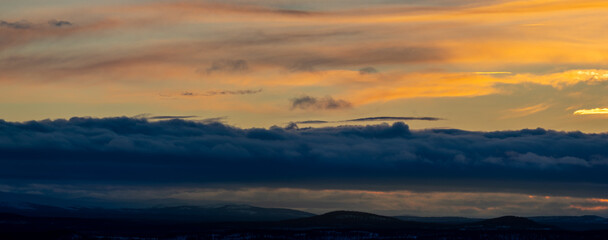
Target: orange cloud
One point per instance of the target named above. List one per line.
(525, 111)
(414, 85)
(589, 208)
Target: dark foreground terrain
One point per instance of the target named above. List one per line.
(44, 222)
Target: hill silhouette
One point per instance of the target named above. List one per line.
(332, 225)
(442, 220)
(508, 223)
(576, 223)
(352, 220)
(224, 213)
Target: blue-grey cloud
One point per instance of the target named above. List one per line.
(129, 150)
(368, 70)
(327, 103)
(228, 65)
(16, 25)
(59, 23)
(312, 122)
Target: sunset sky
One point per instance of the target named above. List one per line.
(465, 76)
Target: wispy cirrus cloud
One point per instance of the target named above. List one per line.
(525, 111)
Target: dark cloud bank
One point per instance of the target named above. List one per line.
(389, 157)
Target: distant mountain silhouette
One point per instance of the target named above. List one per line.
(578, 223)
(508, 223)
(245, 216)
(352, 220)
(226, 213)
(187, 222)
(10, 217)
(442, 220)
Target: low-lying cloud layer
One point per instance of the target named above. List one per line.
(382, 157)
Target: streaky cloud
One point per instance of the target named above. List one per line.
(223, 92)
(370, 119)
(367, 119)
(171, 117)
(312, 122)
(347, 57)
(257, 38)
(212, 120)
(149, 116)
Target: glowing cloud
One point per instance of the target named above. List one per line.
(591, 111)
